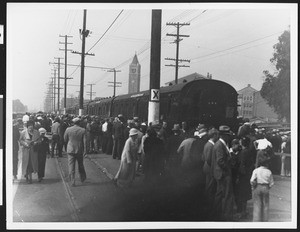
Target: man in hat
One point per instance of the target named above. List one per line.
(221, 169)
(118, 137)
(165, 131)
(172, 144)
(75, 137)
(210, 182)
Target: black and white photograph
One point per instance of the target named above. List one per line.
(151, 115)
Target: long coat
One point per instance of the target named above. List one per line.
(43, 150)
(220, 161)
(185, 152)
(173, 143)
(244, 174)
(154, 158)
(126, 172)
(29, 153)
(221, 166)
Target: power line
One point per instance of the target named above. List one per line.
(236, 46)
(232, 52)
(99, 39)
(106, 31)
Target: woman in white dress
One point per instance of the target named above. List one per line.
(126, 172)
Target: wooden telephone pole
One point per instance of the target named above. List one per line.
(84, 34)
(66, 62)
(177, 40)
(114, 82)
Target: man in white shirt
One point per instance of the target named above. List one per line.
(261, 182)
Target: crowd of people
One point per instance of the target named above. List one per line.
(235, 166)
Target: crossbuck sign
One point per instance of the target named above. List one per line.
(154, 95)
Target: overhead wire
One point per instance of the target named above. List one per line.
(106, 30)
(99, 39)
(252, 41)
(146, 46)
(232, 52)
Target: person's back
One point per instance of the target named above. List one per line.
(55, 129)
(74, 137)
(94, 128)
(261, 181)
(184, 151)
(118, 130)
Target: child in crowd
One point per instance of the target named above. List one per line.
(261, 181)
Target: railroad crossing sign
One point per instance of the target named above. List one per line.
(154, 95)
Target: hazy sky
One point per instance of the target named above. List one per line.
(233, 42)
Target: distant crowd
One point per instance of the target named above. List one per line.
(235, 166)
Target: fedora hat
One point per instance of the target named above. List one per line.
(225, 130)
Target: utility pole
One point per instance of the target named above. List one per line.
(66, 49)
(155, 55)
(177, 25)
(114, 82)
(91, 92)
(58, 83)
(84, 34)
(54, 87)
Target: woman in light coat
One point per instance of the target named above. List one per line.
(126, 172)
(28, 140)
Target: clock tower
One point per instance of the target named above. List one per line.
(134, 76)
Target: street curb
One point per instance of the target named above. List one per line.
(71, 197)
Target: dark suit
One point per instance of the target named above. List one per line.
(118, 139)
(221, 167)
(75, 138)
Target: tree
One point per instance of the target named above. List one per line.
(276, 87)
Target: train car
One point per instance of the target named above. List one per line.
(101, 108)
(206, 101)
(131, 105)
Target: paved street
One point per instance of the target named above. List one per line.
(99, 200)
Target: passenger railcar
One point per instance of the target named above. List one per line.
(207, 101)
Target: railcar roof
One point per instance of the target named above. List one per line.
(100, 100)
